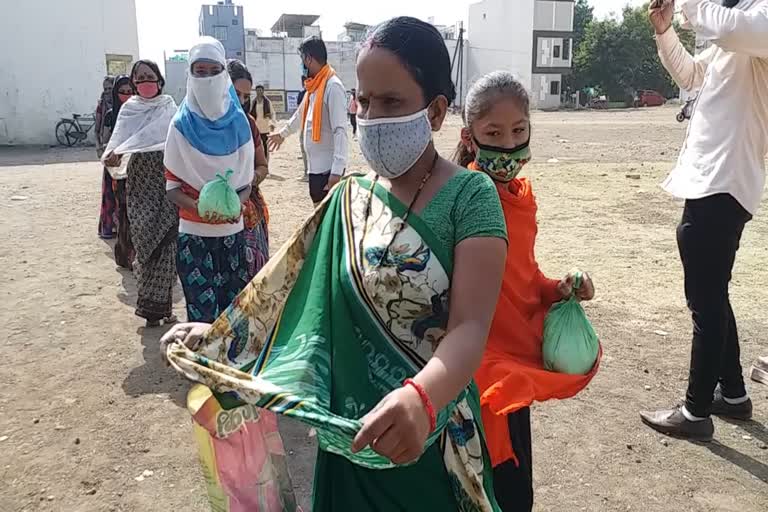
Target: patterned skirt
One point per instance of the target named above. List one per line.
(154, 229)
(213, 271)
(108, 208)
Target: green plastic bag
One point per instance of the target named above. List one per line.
(570, 342)
(218, 197)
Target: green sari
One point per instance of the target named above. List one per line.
(328, 328)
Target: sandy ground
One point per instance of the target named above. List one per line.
(86, 406)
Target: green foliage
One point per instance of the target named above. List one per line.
(620, 57)
(583, 15)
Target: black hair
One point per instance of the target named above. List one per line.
(730, 3)
(422, 50)
(238, 71)
(481, 98)
(116, 103)
(260, 87)
(151, 65)
(314, 47)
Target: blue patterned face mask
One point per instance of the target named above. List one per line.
(392, 145)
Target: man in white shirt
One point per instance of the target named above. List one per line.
(327, 151)
(721, 176)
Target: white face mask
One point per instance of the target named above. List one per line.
(392, 145)
(209, 96)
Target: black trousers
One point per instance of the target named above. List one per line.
(317, 184)
(708, 238)
(513, 483)
(265, 144)
(353, 122)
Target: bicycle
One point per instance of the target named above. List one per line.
(71, 131)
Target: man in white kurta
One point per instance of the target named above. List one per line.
(721, 175)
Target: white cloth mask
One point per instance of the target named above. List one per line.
(392, 145)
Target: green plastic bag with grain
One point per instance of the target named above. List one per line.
(218, 197)
(570, 342)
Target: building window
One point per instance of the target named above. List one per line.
(554, 88)
(220, 33)
(556, 51)
(566, 49)
(235, 21)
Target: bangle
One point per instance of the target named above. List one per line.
(426, 401)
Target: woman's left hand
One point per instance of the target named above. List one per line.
(397, 428)
(112, 160)
(585, 292)
(189, 334)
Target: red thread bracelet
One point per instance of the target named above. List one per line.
(426, 401)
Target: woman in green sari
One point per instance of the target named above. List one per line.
(370, 322)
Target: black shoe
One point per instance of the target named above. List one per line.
(741, 412)
(674, 423)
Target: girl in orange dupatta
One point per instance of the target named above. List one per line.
(496, 140)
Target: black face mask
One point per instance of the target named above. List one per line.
(730, 3)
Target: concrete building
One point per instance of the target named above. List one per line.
(176, 72)
(54, 60)
(354, 32)
(224, 21)
(539, 51)
(275, 63)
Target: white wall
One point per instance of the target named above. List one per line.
(176, 72)
(501, 38)
(275, 62)
(54, 60)
(550, 15)
(545, 53)
(541, 90)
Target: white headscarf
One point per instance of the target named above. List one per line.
(209, 96)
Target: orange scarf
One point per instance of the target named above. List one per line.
(316, 85)
(512, 375)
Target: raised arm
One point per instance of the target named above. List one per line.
(731, 29)
(686, 70)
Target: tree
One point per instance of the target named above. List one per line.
(583, 15)
(621, 57)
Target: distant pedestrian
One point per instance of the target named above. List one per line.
(255, 213)
(124, 252)
(353, 112)
(323, 114)
(262, 112)
(107, 217)
(140, 130)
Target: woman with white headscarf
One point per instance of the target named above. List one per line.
(140, 128)
(209, 135)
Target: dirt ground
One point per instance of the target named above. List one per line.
(86, 406)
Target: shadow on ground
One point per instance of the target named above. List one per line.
(154, 377)
(12, 156)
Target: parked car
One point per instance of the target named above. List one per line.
(649, 99)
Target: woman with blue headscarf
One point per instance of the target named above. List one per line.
(209, 135)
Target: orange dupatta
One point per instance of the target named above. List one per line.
(316, 85)
(511, 375)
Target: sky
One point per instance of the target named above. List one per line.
(166, 25)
